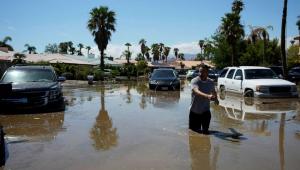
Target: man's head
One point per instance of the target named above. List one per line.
(203, 72)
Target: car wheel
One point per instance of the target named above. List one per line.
(249, 93)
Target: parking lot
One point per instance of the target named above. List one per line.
(128, 126)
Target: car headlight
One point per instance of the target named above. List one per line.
(263, 89)
(153, 82)
(294, 88)
(54, 92)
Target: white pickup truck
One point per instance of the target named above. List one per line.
(253, 81)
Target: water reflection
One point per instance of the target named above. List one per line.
(103, 134)
(33, 126)
(200, 152)
(239, 108)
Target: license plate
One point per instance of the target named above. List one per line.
(165, 88)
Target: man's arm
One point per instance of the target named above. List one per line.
(202, 94)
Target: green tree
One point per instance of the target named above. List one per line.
(283, 32)
(141, 67)
(199, 57)
(19, 58)
(166, 53)
(147, 54)
(63, 47)
(232, 29)
(155, 52)
(80, 46)
(181, 56)
(176, 50)
(101, 24)
(3, 43)
(51, 48)
(298, 24)
(161, 49)
(142, 42)
(201, 45)
(260, 33)
(30, 49)
(88, 50)
(293, 59)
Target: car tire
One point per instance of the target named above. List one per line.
(249, 93)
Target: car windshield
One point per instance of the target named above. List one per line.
(297, 70)
(259, 74)
(163, 74)
(30, 75)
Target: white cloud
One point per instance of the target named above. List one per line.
(116, 50)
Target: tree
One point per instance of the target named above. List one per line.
(166, 53)
(293, 56)
(63, 47)
(298, 24)
(147, 54)
(139, 57)
(201, 45)
(176, 50)
(232, 29)
(19, 58)
(143, 46)
(30, 49)
(155, 52)
(161, 49)
(88, 49)
(260, 33)
(199, 57)
(101, 24)
(181, 56)
(80, 46)
(3, 43)
(51, 48)
(283, 31)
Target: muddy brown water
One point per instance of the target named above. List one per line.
(126, 126)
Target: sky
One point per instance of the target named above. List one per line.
(176, 23)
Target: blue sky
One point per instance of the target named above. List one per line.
(174, 22)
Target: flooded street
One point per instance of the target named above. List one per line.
(127, 126)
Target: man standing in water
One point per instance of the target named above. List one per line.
(203, 91)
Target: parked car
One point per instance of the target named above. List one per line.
(164, 79)
(212, 74)
(254, 81)
(30, 87)
(294, 74)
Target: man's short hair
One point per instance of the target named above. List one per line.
(204, 66)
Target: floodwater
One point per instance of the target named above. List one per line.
(126, 126)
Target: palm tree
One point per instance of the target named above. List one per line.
(70, 47)
(88, 49)
(181, 56)
(155, 52)
(283, 31)
(63, 47)
(201, 45)
(127, 53)
(260, 33)
(231, 27)
(30, 49)
(80, 46)
(298, 24)
(3, 43)
(101, 24)
(176, 50)
(161, 49)
(166, 53)
(143, 46)
(19, 58)
(147, 49)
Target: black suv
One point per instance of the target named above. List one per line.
(30, 87)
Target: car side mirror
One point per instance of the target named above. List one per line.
(61, 79)
(280, 76)
(238, 77)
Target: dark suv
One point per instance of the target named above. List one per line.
(294, 74)
(30, 87)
